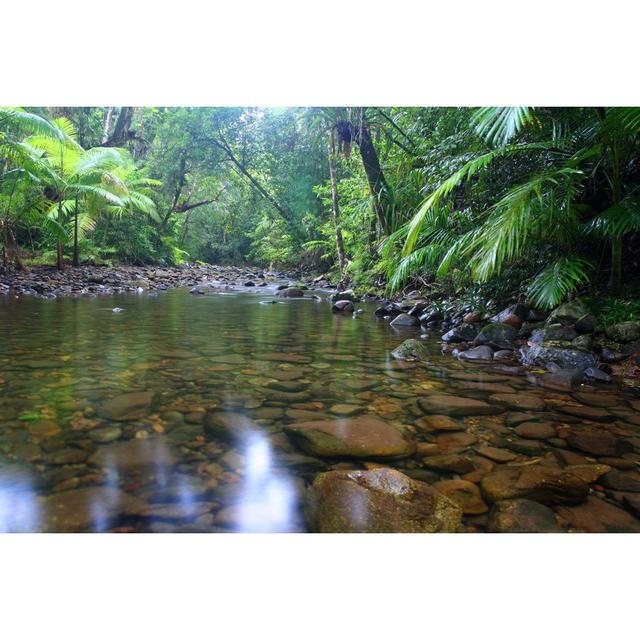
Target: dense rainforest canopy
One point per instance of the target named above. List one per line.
(493, 202)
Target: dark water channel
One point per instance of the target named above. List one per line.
(168, 416)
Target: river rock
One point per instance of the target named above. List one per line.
(135, 456)
(554, 332)
(621, 481)
(452, 462)
(482, 352)
(290, 292)
(559, 353)
(522, 516)
(439, 423)
(537, 482)
(520, 401)
(92, 509)
(463, 493)
(561, 380)
(377, 501)
(410, 350)
(498, 335)
(127, 406)
(598, 516)
(455, 406)
(536, 430)
(342, 306)
(461, 333)
(513, 316)
(569, 313)
(226, 424)
(361, 437)
(405, 320)
(624, 331)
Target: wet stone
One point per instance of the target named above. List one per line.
(463, 493)
(395, 503)
(439, 423)
(521, 401)
(522, 516)
(536, 430)
(599, 516)
(456, 406)
(127, 406)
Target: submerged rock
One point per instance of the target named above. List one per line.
(291, 292)
(456, 406)
(482, 352)
(378, 501)
(127, 406)
(599, 516)
(548, 485)
(361, 437)
(522, 516)
(342, 306)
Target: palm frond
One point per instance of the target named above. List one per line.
(498, 125)
(561, 278)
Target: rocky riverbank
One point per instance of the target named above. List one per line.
(49, 283)
(559, 350)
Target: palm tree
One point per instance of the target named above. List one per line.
(583, 185)
(83, 183)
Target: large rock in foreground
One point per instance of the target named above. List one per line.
(378, 501)
(362, 437)
(536, 482)
(522, 516)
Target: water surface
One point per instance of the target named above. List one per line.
(78, 455)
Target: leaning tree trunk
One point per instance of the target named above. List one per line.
(334, 201)
(59, 255)
(375, 176)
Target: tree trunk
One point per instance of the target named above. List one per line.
(16, 252)
(121, 134)
(375, 177)
(334, 202)
(59, 256)
(616, 266)
(76, 253)
(106, 125)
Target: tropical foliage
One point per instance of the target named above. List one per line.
(531, 202)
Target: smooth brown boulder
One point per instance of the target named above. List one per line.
(522, 516)
(597, 441)
(463, 493)
(536, 482)
(451, 462)
(439, 423)
(536, 430)
(377, 501)
(599, 516)
(361, 437)
(456, 406)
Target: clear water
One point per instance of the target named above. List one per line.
(67, 464)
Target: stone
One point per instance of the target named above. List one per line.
(562, 380)
(44, 427)
(586, 324)
(513, 316)
(439, 423)
(482, 352)
(344, 409)
(496, 454)
(68, 456)
(587, 413)
(588, 472)
(127, 406)
(449, 462)
(569, 313)
(553, 332)
(463, 493)
(226, 424)
(405, 320)
(598, 442)
(135, 456)
(536, 430)
(377, 501)
(461, 333)
(498, 336)
(621, 481)
(521, 401)
(361, 437)
(522, 516)
(105, 434)
(583, 342)
(537, 482)
(504, 354)
(291, 292)
(597, 374)
(566, 357)
(624, 331)
(599, 516)
(410, 350)
(90, 509)
(456, 406)
(455, 441)
(342, 306)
